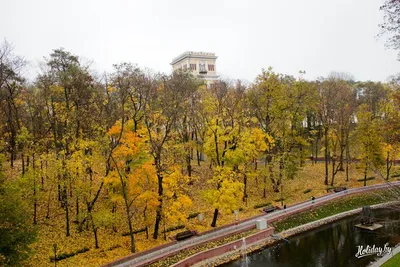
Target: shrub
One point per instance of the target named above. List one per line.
(113, 247)
(262, 205)
(193, 215)
(307, 191)
(110, 248)
(63, 256)
(173, 228)
(140, 230)
(368, 178)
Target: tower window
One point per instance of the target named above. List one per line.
(192, 66)
(211, 68)
(202, 67)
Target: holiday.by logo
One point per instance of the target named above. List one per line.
(371, 250)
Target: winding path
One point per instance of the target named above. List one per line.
(147, 257)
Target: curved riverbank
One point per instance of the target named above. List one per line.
(231, 256)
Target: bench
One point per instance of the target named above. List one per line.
(339, 189)
(269, 209)
(183, 235)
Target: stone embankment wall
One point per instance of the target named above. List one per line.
(234, 254)
(237, 245)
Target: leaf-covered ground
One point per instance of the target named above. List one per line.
(113, 245)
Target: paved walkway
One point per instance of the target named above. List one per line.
(173, 249)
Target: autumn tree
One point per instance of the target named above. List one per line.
(290, 133)
(164, 103)
(69, 91)
(327, 103)
(16, 230)
(371, 94)
(11, 84)
(230, 147)
(390, 127)
(370, 140)
(127, 160)
(264, 97)
(391, 23)
(343, 118)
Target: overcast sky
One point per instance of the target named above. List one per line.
(318, 36)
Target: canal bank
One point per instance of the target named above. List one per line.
(272, 241)
(385, 259)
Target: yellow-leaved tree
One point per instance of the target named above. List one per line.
(132, 175)
(231, 146)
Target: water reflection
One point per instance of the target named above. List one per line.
(330, 245)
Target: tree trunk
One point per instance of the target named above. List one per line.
(388, 166)
(198, 157)
(96, 241)
(66, 212)
(48, 206)
(347, 157)
(198, 153)
(113, 211)
(281, 167)
(159, 208)
(245, 188)
(265, 187)
(42, 176)
(94, 229)
(255, 168)
(13, 148)
(316, 150)
(342, 147)
(365, 176)
(23, 164)
(333, 170)
(326, 156)
(77, 207)
(215, 217)
(157, 222)
(301, 155)
(59, 190)
(129, 220)
(189, 167)
(34, 194)
(128, 213)
(165, 228)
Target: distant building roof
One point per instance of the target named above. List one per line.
(193, 55)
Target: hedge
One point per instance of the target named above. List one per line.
(63, 256)
(262, 205)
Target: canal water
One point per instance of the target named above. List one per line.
(335, 244)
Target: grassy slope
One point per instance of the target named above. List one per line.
(393, 262)
(335, 207)
(52, 230)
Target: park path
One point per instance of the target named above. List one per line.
(144, 259)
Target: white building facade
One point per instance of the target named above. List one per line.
(200, 64)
